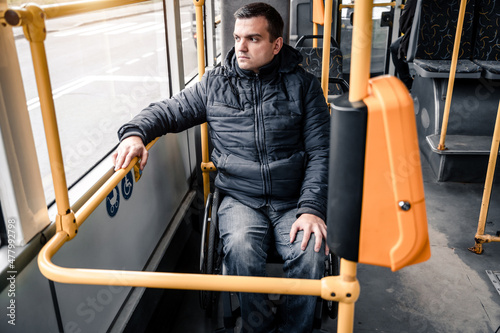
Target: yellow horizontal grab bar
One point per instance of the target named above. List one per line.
(384, 4)
(17, 16)
(79, 7)
(481, 239)
(331, 288)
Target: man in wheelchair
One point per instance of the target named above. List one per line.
(269, 125)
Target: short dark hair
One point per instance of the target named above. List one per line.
(256, 9)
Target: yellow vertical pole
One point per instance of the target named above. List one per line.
(346, 310)
(35, 32)
(361, 50)
(315, 32)
(32, 18)
(318, 17)
(327, 32)
(50, 126)
(451, 80)
(478, 248)
(360, 73)
(198, 4)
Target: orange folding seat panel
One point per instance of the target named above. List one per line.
(376, 212)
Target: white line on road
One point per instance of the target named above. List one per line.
(77, 31)
(112, 70)
(148, 29)
(72, 86)
(108, 29)
(135, 27)
(130, 62)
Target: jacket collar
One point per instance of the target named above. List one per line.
(284, 62)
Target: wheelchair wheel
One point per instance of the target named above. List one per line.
(205, 295)
(210, 260)
(213, 256)
(213, 236)
(332, 268)
(206, 224)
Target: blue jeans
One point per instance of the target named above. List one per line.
(246, 235)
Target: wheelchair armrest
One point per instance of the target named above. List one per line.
(343, 83)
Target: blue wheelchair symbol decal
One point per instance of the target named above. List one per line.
(127, 185)
(113, 202)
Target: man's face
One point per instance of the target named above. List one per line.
(252, 43)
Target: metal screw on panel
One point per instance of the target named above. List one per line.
(404, 205)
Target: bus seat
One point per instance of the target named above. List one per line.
(228, 7)
(465, 158)
(376, 213)
(486, 49)
(433, 36)
(441, 68)
(312, 62)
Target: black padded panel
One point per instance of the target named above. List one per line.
(346, 172)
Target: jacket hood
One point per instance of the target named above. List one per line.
(288, 59)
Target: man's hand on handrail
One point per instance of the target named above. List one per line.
(128, 149)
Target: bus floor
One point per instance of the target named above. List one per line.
(451, 292)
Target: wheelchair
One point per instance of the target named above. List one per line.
(211, 257)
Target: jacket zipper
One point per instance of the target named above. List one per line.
(260, 138)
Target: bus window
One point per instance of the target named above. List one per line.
(379, 38)
(188, 27)
(211, 13)
(105, 66)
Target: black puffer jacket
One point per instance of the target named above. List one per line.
(270, 131)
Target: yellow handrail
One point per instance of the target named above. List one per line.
(79, 7)
(381, 4)
(480, 237)
(360, 73)
(32, 18)
(451, 80)
(206, 165)
(94, 201)
(327, 32)
(361, 50)
(71, 8)
(343, 289)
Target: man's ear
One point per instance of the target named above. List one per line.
(278, 44)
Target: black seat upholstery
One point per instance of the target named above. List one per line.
(487, 38)
(441, 68)
(312, 62)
